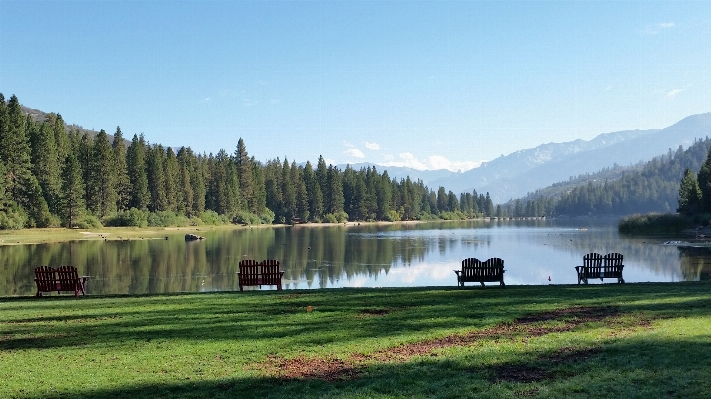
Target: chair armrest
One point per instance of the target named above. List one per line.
(457, 271)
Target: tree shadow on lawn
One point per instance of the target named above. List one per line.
(630, 368)
(264, 316)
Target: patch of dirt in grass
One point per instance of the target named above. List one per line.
(328, 369)
(374, 312)
(335, 369)
(292, 296)
(540, 369)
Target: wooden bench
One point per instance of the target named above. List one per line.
(476, 271)
(261, 273)
(63, 278)
(598, 266)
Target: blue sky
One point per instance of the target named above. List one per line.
(427, 84)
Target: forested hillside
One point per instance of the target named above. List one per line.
(56, 175)
(647, 187)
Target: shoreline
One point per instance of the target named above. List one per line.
(60, 234)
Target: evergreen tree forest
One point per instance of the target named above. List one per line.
(650, 187)
(55, 176)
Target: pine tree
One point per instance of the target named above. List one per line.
(102, 178)
(155, 158)
(313, 191)
(136, 166)
(172, 181)
(301, 206)
(689, 194)
(72, 199)
(288, 205)
(245, 173)
(15, 152)
(185, 188)
(335, 191)
(258, 188)
(61, 138)
(122, 181)
(197, 181)
(86, 162)
(45, 162)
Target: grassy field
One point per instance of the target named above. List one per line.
(611, 340)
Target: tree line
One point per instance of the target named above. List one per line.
(55, 177)
(652, 186)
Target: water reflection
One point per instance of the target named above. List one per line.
(415, 254)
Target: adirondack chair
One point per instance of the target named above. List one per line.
(474, 270)
(63, 278)
(261, 273)
(592, 263)
(612, 267)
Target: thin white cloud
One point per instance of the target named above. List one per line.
(654, 29)
(433, 162)
(248, 102)
(354, 152)
(348, 144)
(672, 94)
(204, 100)
(372, 146)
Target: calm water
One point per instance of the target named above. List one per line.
(417, 254)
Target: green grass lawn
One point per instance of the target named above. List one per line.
(611, 340)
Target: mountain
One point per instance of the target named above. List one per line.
(398, 172)
(524, 171)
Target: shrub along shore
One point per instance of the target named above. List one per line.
(559, 341)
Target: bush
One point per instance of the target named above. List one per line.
(211, 218)
(267, 216)
(130, 218)
(654, 223)
(330, 218)
(392, 216)
(456, 215)
(341, 217)
(88, 222)
(248, 218)
(13, 218)
(167, 219)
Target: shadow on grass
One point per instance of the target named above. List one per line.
(631, 368)
(274, 316)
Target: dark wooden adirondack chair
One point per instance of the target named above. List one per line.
(63, 278)
(271, 275)
(592, 265)
(68, 280)
(46, 279)
(248, 273)
(266, 272)
(474, 270)
(612, 266)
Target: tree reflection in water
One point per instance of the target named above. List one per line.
(331, 256)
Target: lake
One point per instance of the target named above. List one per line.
(368, 255)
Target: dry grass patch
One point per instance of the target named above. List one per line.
(534, 325)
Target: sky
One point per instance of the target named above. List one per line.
(424, 84)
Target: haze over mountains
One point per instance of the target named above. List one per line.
(524, 171)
